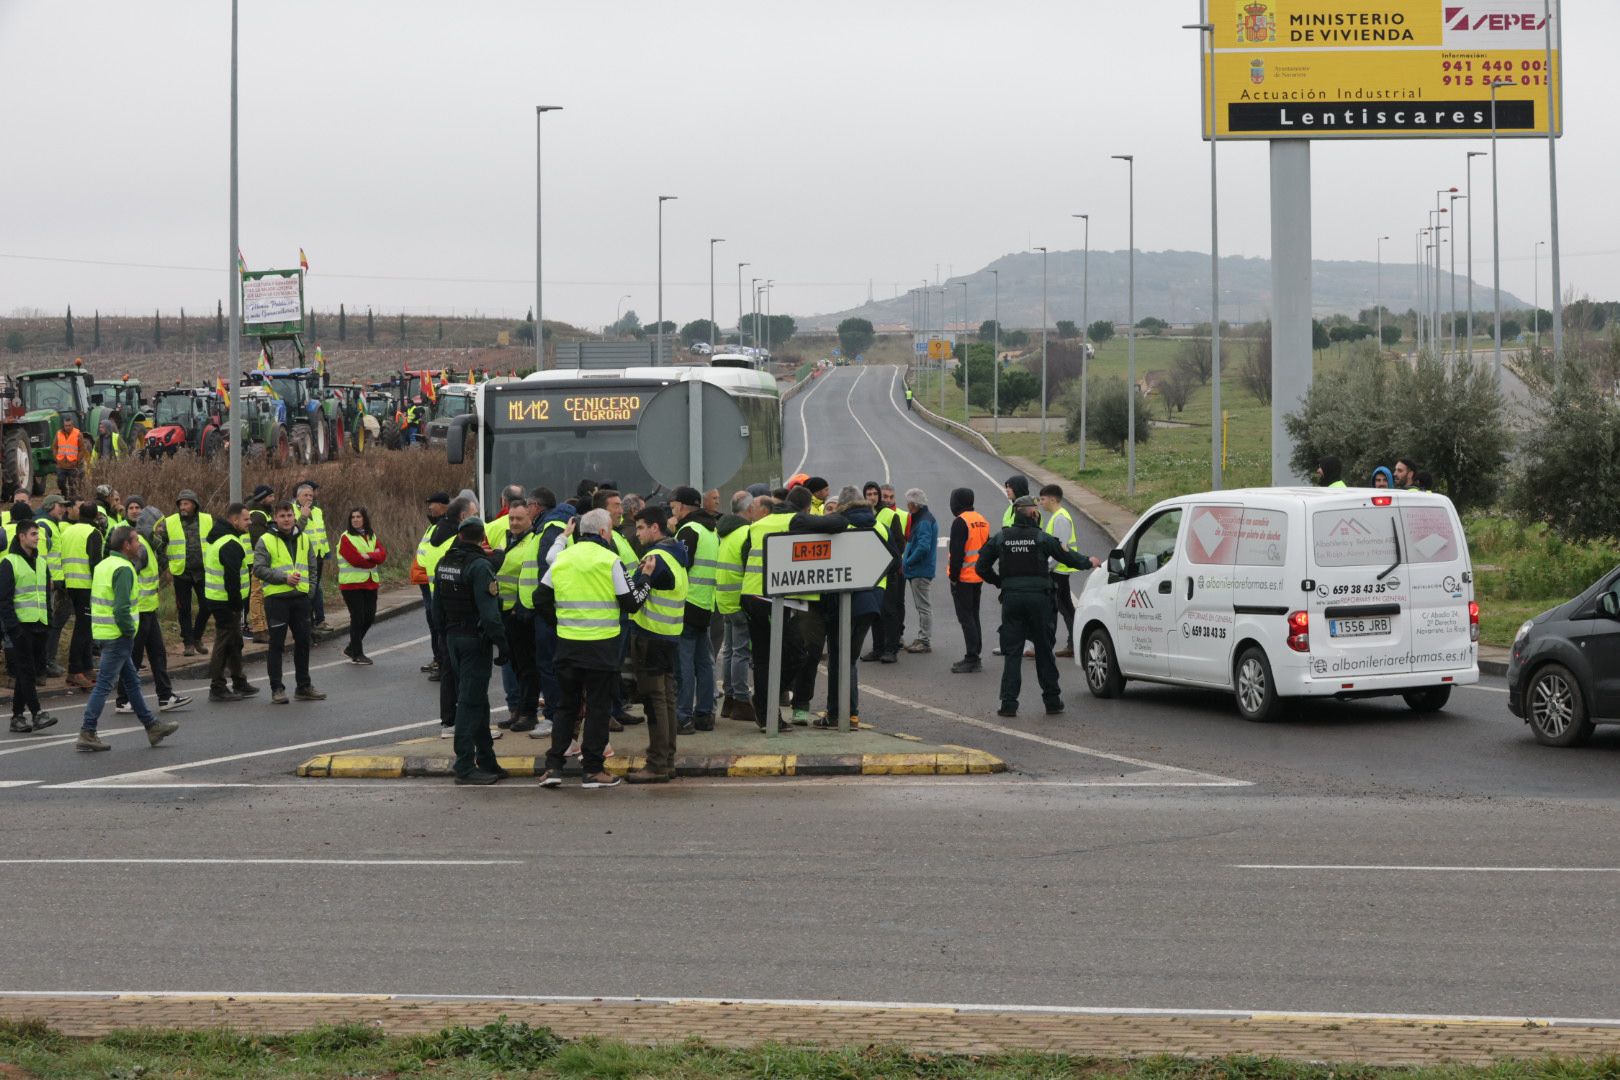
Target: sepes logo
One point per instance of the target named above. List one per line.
(1139, 598)
(1256, 23)
(1464, 18)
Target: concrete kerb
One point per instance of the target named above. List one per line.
(1115, 520)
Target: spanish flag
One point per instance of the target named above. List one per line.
(471, 379)
(241, 263)
(303, 260)
(429, 391)
(224, 391)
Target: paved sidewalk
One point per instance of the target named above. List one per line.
(1310, 1037)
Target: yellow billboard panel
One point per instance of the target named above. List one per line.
(1333, 69)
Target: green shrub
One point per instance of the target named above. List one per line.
(1108, 417)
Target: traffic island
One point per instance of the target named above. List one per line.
(732, 750)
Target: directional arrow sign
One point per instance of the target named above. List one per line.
(823, 562)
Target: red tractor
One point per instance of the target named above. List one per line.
(186, 419)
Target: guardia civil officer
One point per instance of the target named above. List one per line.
(466, 604)
(1015, 561)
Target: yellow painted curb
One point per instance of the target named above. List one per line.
(899, 764)
(762, 765)
(356, 766)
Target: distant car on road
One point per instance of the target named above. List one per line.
(701, 348)
(1564, 671)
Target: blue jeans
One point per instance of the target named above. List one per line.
(545, 652)
(736, 657)
(317, 599)
(694, 676)
(117, 669)
(509, 687)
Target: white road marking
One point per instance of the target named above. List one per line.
(1205, 779)
(835, 1003)
(1433, 869)
(804, 423)
(1487, 689)
(922, 428)
(261, 862)
(50, 741)
(849, 403)
(200, 688)
(17, 783)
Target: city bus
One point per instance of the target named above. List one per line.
(555, 428)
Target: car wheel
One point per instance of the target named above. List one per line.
(1430, 699)
(1256, 689)
(1102, 669)
(1556, 708)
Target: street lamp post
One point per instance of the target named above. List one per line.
(1435, 334)
(995, 365)
(753, 311)
(713, 240)
(233, 263)
(1552, 181)
(539, 286)
(1206, 32)
(658, 353)
(1472, 154)
(1417, 293)
(967, 405)
(1378, 297)
(1535, 312)
(1496, 230)
(770, 287)
(739, 306)
(943, 331)
(1130, 336)
(1452, 317)
(1043, 351)
(619, 309)
(1085, 331)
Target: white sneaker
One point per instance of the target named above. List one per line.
(542, 731)
(125, 709)
(573, 749)
(447, 731)
(495, 732)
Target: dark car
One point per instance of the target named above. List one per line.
(1564, 674)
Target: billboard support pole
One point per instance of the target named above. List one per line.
(1554, 121)
(1291, 356)
(234, 381)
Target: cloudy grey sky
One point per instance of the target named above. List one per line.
(831, 143)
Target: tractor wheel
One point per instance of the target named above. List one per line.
(19, 462)
(391, 437)
(301, 445)
(281, 451)
(338, 439)
(212, 443)
(319, 442)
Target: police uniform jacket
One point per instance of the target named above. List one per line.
(1014, 560)
(466, 595)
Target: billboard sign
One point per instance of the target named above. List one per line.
(1337, 69)
(272, 302)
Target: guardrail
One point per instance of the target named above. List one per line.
(951, 425)
(788, 394)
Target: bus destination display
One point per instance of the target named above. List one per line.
(570, 408)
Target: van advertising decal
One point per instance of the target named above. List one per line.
(1390, 664)
(1358, 536)
(1224, 535)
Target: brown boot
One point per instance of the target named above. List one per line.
(744, 711)
(80, 681)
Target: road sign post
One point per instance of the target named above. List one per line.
(799, 563)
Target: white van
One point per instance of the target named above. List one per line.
(1277, 593)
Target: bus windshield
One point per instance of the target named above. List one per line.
(561, 459)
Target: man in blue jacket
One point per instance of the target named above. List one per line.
(922, 549)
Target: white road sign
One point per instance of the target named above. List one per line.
(823, 562)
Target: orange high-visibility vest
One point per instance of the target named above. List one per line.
(978, 532)
(67, 449)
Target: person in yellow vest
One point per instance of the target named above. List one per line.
(518, 577)
(496, 531)
(609, 499)
(436, 540)
(108, 444)
(284, 560)
(181, 537)
(227, 572)
(360, 556)
(81, 552)
(312, 520)
(115, 597)
(735, 661)
(865, 610)
(148, 644)
(25, 617)
(71, 450)
(694, 672)
(893, 521)
(655, 631)
(52, 519)
(582, 595)
(772, 517)
(20, 495)
(260, 518)
(1059, 524)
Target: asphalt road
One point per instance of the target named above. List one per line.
(1150, 852)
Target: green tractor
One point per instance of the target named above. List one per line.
(125, 404)
(264, 433)
(24, 443)
(382, 405)
(38, 400)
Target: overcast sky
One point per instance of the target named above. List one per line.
(830, 143)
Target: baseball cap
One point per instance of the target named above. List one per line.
(52, 500)
(440, 497)
(474, 524)
(686, 496)
(1025, 502)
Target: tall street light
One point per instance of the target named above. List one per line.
(234, 287)
(967, 407)
(1206, 32)
(1452, 318)
(713, 240)
(770, 288)
(1438, 195)
(740, 306)
(1378, 298)
(1472, 154)
(1043, 351)
(1536, 311)
(658, 355)
(1085, 331)
(1417, 294)
(619, 309)
(995, 365)
(1130, 337)
(753, 312)
(1432, 268)
(539, 288)
(943, 332)
(1496, 230)
(1552, 179)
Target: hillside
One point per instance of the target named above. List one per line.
(1173, 285)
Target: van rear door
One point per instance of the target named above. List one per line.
(1440, 584)
(1360, 620)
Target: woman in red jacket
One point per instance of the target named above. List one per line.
(360, 554)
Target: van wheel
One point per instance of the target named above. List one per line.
(1555, 708)
(1430, 699)
(1256, 690)
(1102, 669)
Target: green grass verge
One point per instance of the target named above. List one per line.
(506, 1049)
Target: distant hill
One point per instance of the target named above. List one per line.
(1172, 285)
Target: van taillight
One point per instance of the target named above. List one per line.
(1383, 500)
(1299, 631)
(1473, 620)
